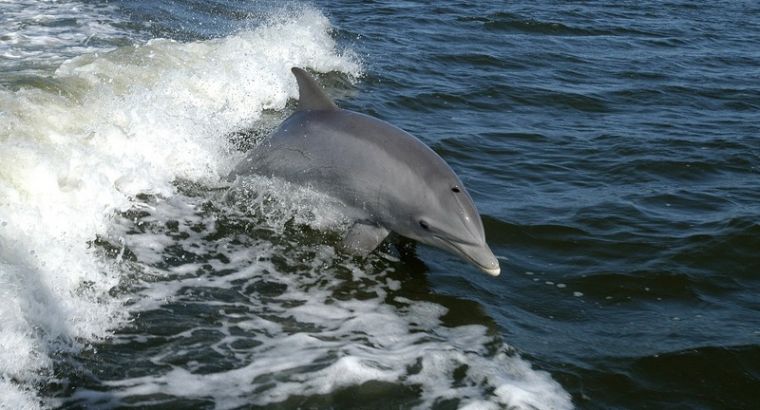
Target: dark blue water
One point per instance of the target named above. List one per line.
(612, 148)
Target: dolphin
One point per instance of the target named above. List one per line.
(390, 179)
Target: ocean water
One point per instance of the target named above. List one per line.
(613, 149)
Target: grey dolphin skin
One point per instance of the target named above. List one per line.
(393, 181)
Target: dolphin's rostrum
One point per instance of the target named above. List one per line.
(393, 181)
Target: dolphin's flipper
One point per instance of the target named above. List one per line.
(310, 94)
(363, 238)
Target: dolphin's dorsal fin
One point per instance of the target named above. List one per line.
(310, 95)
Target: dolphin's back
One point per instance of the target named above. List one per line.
(348, 155)
(344, 153)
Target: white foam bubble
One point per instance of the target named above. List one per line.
(104, 129)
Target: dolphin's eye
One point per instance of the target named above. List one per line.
(455, 189)
(425, 225)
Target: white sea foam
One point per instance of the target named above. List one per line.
(41, 34)
(303, 339)
(114, 125)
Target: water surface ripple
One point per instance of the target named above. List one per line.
(614, 151)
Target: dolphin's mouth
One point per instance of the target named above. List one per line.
(479, 255)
